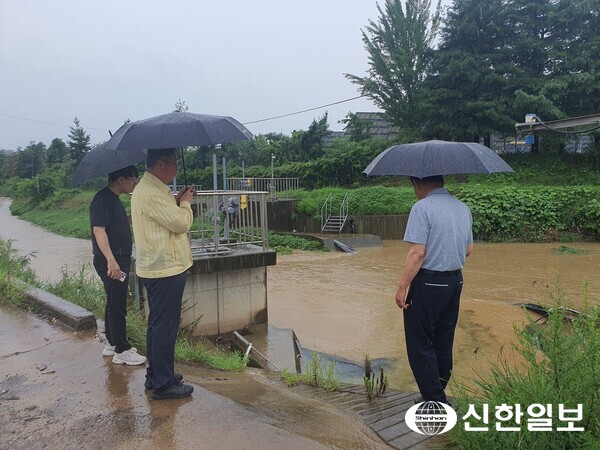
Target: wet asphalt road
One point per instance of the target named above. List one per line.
(58, 392)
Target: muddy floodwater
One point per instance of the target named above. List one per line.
(343, 304)
(49, 252)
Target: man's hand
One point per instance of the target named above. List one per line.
(401, 298)
(188, 195)
(114, 271)
(185, 195)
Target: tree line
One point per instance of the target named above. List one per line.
(463, 75)
(483, 66)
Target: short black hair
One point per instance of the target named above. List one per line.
(156, 154)
(126, 172)
(435, 179)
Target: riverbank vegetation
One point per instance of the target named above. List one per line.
(503, 210)
(560, 368)
(551, 196)
(85, 290)
(316, 373)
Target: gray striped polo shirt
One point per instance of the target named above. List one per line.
(444, 224)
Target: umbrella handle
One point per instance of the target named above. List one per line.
(183, 164)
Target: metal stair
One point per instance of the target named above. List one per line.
(334, 223)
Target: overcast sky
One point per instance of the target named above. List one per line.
(107, 61)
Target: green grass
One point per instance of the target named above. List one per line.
(564, 249)
(84, 289)
(317, 374)
(196, 351)
(285, 244)
(561, 366)
(13, 266)
(502, 211)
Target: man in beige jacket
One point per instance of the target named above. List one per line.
(163, 255)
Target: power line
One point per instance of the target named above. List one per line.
(245, 123)
(303, 111)
(48, 123)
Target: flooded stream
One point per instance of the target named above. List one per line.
(343, 304)
(49, 252)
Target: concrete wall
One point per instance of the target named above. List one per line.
(282, 217)
(225, 301)
(225, 293)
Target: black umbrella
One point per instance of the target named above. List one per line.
(101, 161)
(425, 159)
(178, 129)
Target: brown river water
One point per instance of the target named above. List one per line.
(343, 304)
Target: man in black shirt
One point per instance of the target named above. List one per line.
(111, 244)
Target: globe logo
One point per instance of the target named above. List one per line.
(430, 418)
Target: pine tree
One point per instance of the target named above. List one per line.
(399, 46)
(79, 142)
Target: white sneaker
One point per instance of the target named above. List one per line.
(129, 357)
(109, 350)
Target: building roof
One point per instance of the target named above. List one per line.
(380, 128)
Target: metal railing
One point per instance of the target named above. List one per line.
(224, 220)
(175, 188)
(330, 222)
(270, 185)
(326, 210)
(344, 208)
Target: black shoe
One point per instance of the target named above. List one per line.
(177, 390)
(148, 382)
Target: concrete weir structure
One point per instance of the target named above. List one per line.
(227, 291)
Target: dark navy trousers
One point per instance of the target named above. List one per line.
(429, 325)
(164, 302)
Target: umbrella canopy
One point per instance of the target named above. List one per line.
(101, 161)
(178, 129)
(426, 159)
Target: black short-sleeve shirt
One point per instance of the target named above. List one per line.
(106, 210)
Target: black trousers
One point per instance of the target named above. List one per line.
(429, 325)
(115, 310)
(164, 302)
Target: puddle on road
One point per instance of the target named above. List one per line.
(343, 304)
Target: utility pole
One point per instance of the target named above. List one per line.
(272, 173)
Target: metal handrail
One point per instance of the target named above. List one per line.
(326, 210)
(232, 224)
(271, 185)
(344, 209)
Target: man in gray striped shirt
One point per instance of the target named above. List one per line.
(439, 231)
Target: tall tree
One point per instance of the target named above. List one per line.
(575, 81)
(466, 93)
(57, 152)
(399, 47)
(311, 142)
(7, 163)
(30, 161)
(79, 141)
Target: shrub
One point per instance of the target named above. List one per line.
(561, 366)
